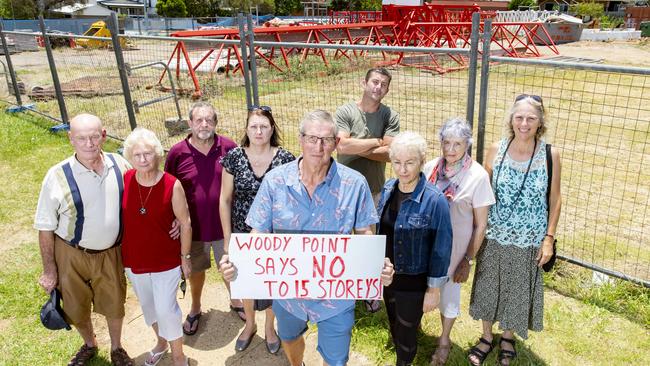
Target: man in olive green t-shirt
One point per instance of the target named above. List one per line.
(366, 129)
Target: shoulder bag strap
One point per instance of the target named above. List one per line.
(549, 169)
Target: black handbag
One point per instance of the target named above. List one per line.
(548, 266)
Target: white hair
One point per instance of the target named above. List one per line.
(142, 136)
(410, 141)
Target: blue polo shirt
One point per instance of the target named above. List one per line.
(341, 203)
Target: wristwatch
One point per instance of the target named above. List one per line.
(186, 256)
(468, 259)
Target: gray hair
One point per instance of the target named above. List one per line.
(410, 141)
(457, 127)
(199, 105)
(319, 116)
(142, 136)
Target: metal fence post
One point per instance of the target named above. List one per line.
(10, 66)
(121, 67)
(55, 75)
(473, 61)
(253, 66)
(244, 58)
(482, 104)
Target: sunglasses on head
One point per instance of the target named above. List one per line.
(536, 98)
(264, 108)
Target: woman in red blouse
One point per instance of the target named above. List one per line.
(152, 259)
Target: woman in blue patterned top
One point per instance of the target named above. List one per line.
(244, 168)
(508, 285)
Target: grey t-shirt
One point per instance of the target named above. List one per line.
(362, 125)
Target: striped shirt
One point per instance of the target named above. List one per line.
(81, 206)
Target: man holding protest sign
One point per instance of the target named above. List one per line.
(314, 195)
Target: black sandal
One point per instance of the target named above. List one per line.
(191, 320)
(505, 354)
(478, 353)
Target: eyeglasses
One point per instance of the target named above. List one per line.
(536, 98)
(84, 139)
(264, 108)
(326, 141)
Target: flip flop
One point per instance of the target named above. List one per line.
(155, 357)
(239, 310)
(192, 319)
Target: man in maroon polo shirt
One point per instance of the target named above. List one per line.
(195, 162)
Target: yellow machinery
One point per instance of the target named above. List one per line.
(98, 29)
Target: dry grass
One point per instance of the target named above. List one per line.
(600, 122)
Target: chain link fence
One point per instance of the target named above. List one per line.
(599, 117)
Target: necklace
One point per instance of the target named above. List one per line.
(143, 210)
(496, 182)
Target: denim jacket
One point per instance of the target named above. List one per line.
(423, 235)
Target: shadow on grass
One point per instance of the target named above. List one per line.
(371, 336)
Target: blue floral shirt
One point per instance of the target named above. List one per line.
(339, 204)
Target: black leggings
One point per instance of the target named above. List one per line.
(404, 309)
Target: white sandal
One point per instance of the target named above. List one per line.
(154, 358)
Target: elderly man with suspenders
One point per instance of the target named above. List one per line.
(78, 219)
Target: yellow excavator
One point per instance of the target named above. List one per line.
(99, 29)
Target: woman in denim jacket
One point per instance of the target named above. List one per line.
(414, 216)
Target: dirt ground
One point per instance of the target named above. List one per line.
(624, 53)
(214, 344)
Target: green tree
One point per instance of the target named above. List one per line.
(369, 5)
(264, 6)
(30, 9)
(355, 5)
(590, 9)
(515, 4)
(171, 8)
(287, 7)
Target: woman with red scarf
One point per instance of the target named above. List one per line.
(467, 187)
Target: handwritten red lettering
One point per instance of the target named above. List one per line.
(291, 263)
(261, 267)
(342, 267)
(319, 268)
(322, 244)
(264, 243)
(301, 288)
(283, 288)
(270, 284)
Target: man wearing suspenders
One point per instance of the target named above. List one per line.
(78, 219)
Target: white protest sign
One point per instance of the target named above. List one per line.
(307, 266)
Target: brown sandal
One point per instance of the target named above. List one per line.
(437, 359)
(84, 355)
(119, 357)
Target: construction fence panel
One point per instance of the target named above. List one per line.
(89, 80)
(33, 75)
(152, 60)
(598, 117)
(423, 97)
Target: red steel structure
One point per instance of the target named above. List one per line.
(440, 26)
